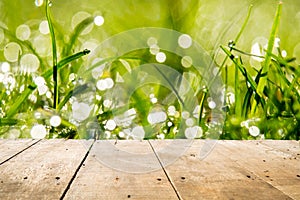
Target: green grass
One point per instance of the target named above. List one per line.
(266, 98)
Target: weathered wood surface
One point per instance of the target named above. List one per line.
(181, 169)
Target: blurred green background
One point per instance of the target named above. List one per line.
(209, 22)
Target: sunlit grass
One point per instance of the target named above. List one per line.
(52, 100)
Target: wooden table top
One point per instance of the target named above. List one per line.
(149, 169)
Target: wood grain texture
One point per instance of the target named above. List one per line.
(10, 148)
(219, 175)
(154, 169)
(102, 178)
(278, 168)
(41, 172)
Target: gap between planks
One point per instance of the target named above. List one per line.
(22, 149)
(165, 172)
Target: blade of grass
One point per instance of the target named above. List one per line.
(54, 55)
(202, 106)
(65, 61)
(253, 84)
(77, 31)
(171, 85)
(237, 92)
(240, 67)
(8, 122)
(283, 77)
(265, 69)
(14, 108)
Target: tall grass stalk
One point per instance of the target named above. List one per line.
(265, 69)
(54, 54)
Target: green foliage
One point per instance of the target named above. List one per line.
(266, 96)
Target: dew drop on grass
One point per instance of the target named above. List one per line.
(55, 121)
(23, 32)
(185, 115)
(38, 131)
(109, 83)
(38, 3)
(254, 131)
(121, 134)
(171, 110)
(99, 20)
(44, 28)
(153, 100)
(72, 77)
(39, 81)
(193, 132)
(107, 103)
(284, 53)
(107, 134)
(212, 104)
(48, 94)
(189, 122)
(29, 63)
(101, 85)
(151, 41)
(154, 49)
(185, 41)
(277, 42)
(161, 136)
(161, 57)
(186, 61)
(170, 124)
(80, 111)
(110, 125)
(37, 115)
(157, 117)
(12, 51)
(5, 67)
(190, 133)
(42, 89)
(256, 50)
(138, 133)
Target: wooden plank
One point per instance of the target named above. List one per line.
(278, 168)
(216, 176)
(108, 173)
(10, 148)
(287, 146)
(43, 171)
